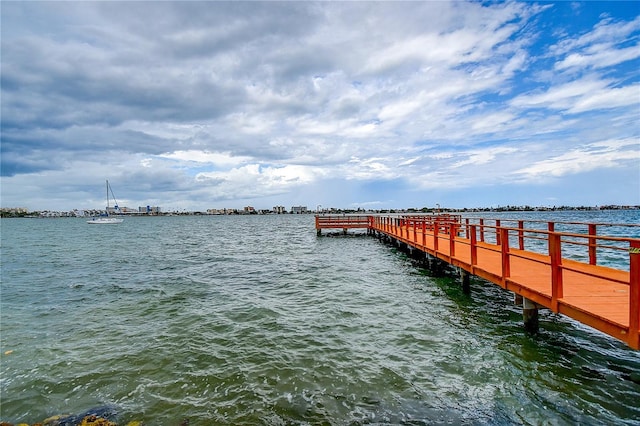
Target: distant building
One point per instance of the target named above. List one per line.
(299, 209)
(225, 211)
(150, 210)
(121, 210)
(250, 210)
(279, 209)
(14, 210)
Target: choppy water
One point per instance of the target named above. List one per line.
(255, 320)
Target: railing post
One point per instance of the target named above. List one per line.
(482, 230)
(474, 245)
(634, 293)
(436, 228)
(498, 232)
(466, 228)
(407, 227)
(521, 234)
(424, 233)
(555, 252)
(405, 224)
(415, 232)
(452, 240)
(504, 251)
(592, 244)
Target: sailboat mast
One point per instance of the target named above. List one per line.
(107, 196)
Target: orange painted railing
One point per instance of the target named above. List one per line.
(342, 222)
(564, 266)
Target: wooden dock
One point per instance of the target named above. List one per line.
(344, 222)
(526, 257)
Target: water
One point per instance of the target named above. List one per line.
(254, 320)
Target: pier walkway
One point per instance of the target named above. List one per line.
(554, 265)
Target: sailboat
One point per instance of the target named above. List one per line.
(106, 219)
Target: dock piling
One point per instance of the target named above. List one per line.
(517, 299)
(466, 281)
(530, 315)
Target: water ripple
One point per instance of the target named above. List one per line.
(255, 320)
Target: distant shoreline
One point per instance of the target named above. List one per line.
(23, 213)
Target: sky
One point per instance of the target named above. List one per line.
(375, 105)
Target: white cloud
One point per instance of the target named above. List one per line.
(219, 159)
(608, 98)
(255, 180)
(599, 56)
(583, 159)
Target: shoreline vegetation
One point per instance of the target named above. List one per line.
(21, 212)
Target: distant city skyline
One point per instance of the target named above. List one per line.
(383, 105)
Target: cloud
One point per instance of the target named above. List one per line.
(193, 103)
(583, 159)
(217, 159)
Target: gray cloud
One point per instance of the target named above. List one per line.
(257, 100)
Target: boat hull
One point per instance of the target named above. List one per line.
(105, 221)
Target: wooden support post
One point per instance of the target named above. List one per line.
(438, 267)
(436, 227)
(517, 299)
(592, 244)
(466, 281)
(498, 232)
(504, 252)
(344, 231)
(474, 246)
(521, 234)
(452, 240)
(319, 231)
(414, 225)
(482, 230)
(634, 294)
(427, 261)
(555, 252)
(530, 315)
